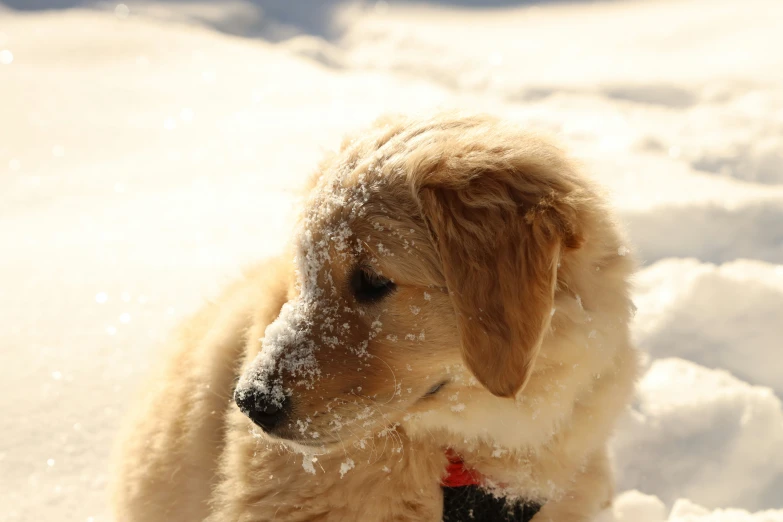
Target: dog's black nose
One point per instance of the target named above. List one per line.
(264, 412)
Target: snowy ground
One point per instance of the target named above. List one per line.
(146, 155)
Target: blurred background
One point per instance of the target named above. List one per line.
(149, 150)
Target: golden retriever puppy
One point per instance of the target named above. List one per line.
(456, 289)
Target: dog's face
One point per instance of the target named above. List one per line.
(426, 264)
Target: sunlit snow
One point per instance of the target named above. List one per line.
(148, 151)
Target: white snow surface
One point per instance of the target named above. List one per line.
(148, 152)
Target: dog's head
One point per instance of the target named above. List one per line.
(426, 266)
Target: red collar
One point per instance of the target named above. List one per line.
(457, 474)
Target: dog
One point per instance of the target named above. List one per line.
(456, 293)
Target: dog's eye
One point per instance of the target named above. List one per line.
(368, 287)
(435, 389)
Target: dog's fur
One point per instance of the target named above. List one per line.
(511, 287)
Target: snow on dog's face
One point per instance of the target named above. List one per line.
(425, 267)
(370, 330)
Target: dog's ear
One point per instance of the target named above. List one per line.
(500, 235)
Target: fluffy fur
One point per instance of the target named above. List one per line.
(510, 289)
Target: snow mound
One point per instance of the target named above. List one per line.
(633, 506)
(759, 159)
(687, 511)
(709, 231)
(704, 435)
(717, 316)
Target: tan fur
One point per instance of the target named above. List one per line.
(509, 288)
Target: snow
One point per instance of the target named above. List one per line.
(149, 150)
(6, 57)
(703, 312)
(308, 464)
(346, 466)
(288, 330)
(705, 435)
(633, 506)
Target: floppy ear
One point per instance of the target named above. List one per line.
(500, 236)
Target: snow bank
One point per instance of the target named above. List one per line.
(704, 435)
(687, 511)
(718, 316)
(633, 506)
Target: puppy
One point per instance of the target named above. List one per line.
(455, 287)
